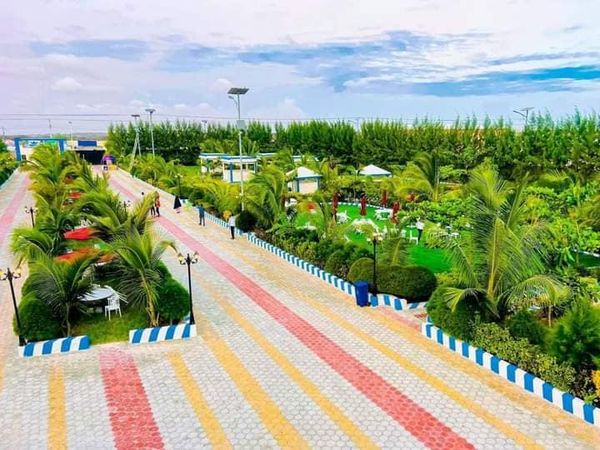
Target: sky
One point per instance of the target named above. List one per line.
(102, 60)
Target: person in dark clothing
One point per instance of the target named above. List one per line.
(177, 204)
(201, 215)
(231, 223)
(157, 205)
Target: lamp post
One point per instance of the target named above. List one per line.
(71, 137)
(376, 238)
(31, 211)
(189, 260)
(10, 276)
(151, 111)
(234, 94)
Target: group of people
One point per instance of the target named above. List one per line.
(155, 208)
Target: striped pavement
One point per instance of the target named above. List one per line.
(281, 360)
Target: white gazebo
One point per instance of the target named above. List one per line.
(305, 180)
(233, 165)
(206, 160)
(374, 171)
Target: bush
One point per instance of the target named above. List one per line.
(341, 260)
(361, 270)
(37, 320)
(173, 301)
(459, 323)
(498, 341)
(245, 221)
(576, 338)
(525, 324)
(414, 283)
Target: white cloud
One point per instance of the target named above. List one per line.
(67, 84)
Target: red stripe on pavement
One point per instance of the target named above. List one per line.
(415, 419)
(11, 211)
(131, 417)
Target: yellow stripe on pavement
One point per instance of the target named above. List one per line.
(215, 433)
(57, 426)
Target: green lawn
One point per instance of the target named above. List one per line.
(101, 330)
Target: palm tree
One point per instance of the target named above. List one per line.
(29, 244)
(223, 196)
(138, 269)
(422, 177)
(49, 171)
(499, 261)
(61, 285)
(266, 195)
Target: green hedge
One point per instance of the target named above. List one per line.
(245, 221)
(37, 321)
(525, 324)
(362, 270)
(459, 323)
(414, 283)
(173, 301)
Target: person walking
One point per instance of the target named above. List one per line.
(177, 204)
(231, 223)
(420, 227)
(152, 210)
(201, 215)
(157, 205)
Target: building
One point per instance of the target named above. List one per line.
(374, 171)
(24, 146)
(234, 165)
(208, 161)
(305, 181)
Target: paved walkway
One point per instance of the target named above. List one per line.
(282, 360)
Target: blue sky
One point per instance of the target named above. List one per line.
(393, 59)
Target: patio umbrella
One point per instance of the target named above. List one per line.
(67, 257)
(363, 205)
(395, 209)
(80, 234)
(384, 199)
(74, 195)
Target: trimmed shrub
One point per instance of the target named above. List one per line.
(361, 270)
(576, 338)
(336, 262)
(245, 221)
(459, 323)
(173, 301)
(524, 324)
(37, 320)
(498, 341)
(414, 283)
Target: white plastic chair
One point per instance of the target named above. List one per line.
(114, 304)
(342, 217)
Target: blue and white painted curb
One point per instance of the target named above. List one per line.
(54, 346)
(399, 304)
(512, 373)
(222, 223)
(159, 334)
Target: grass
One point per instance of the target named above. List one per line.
(101, 330)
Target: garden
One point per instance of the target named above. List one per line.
(508, 257)
(89, 255)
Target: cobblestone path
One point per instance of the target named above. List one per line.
(281, 360)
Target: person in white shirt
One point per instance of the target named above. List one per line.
(420, 227)
(231, 223)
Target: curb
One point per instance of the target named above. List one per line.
(54, 346)
(512, 373)
(160, 334)
(399, 304)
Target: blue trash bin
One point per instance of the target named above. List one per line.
(362, 293)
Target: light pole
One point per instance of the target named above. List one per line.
(31, 211)
(234, 94)
(189, 260)
(50, 126)
(136, 143)
(71, 131)
(376, 238)
(524, 113)
(10, 276)
(151, 111)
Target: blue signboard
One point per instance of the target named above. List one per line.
(32, 142)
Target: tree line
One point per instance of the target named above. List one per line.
(544, 144)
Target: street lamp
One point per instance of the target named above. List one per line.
(151, 111)
(71, 131)
(189, 260)
(375, 239)
(234, 94)
(31, 211)
(524, 113)
(10, 276)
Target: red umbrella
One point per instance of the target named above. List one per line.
(395, 209)
(80, 234)
(67, 257)
(74, 195)
(384, 199)
(363, 206)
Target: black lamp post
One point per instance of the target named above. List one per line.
(189, 260)
(31, 211)
(10, 276)
(376, 238)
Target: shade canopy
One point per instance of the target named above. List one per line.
(304, 172)
(374, 171)
(80, 234)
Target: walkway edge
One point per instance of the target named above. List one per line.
(54, 346)
(160, 334)
(534, 385)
